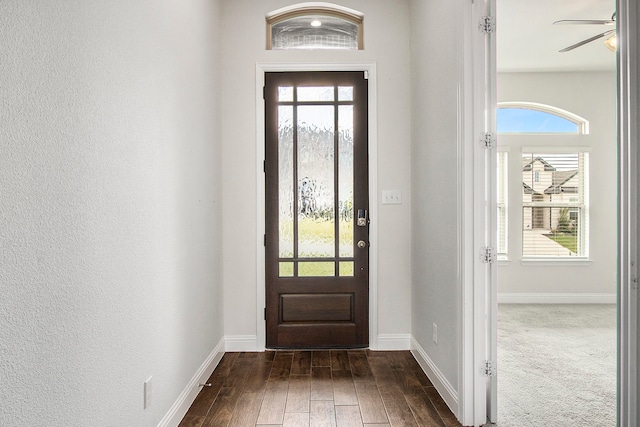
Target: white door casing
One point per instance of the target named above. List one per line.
(628, 15)
(370, 69)
(477, 218)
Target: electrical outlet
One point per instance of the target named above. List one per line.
(147, 393)
(435, 333)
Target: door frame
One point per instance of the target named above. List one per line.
(370, 69)
(476, 77)
(628, 16)
(472, 408)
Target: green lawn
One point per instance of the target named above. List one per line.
(323, 233)
(568, 240)
(317, 230)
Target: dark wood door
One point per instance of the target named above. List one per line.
(317, 226)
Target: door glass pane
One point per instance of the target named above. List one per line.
(346, 268)
(285, 176)
(316, 269)
(286, 269)
(345, 177)
(315, 93)
(285, 93)
(345, 93)
(316, 206)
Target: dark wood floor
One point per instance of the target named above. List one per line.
(319, 388)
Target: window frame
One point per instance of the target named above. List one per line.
(502, 201)
(314, 9)
(582, 204)
(539, 142)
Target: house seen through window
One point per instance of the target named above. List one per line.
(554, 184)
(553, 206)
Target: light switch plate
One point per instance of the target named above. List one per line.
(391, 197)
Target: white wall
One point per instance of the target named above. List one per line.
(592, 96)
(435, 279)
(109, 207)
(386, 41)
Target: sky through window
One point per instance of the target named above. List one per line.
(524, 120)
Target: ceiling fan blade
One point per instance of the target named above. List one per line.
(585, 21)
(589, 40)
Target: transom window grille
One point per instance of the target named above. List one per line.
(308, 26)
(554, 206)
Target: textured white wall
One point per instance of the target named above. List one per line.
(109, 207)
(386, 43)
(435, 281)
(592, 96)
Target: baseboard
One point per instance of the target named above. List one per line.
(241, 343)
(394, 342)
(556, 298)
(190, 392)
(437, 378)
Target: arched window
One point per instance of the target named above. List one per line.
(314, 26)
(528, 117)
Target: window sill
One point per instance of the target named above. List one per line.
(530, 262)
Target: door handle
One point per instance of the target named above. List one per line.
(362, 218)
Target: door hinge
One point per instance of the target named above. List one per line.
(265, 313)
(487, 255)
(488, 368)
(366, 75)
(487, 140)
(488, 24)
(264, 166)
(264, 92)
(264, 239)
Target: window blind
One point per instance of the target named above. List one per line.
(554, 209)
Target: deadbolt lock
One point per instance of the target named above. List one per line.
(362, 218)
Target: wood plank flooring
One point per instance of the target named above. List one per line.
(317, 388)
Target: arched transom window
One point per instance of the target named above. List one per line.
(314, 26)
(528, 117)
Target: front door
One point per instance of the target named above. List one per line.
(317, 225)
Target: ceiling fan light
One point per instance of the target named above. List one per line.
(611, 43)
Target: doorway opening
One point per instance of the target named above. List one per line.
(557, 300)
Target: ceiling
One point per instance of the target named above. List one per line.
(528, 41)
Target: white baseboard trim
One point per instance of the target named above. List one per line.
(394, 342)
(437, 378)
(190, 392)
(556, 298)
(241, 343)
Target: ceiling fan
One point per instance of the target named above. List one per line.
(610, 42)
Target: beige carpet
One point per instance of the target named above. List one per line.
(556, 365)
